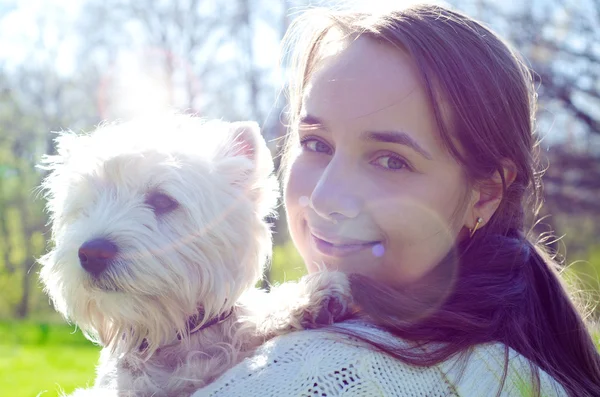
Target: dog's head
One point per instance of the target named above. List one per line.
(152, 219)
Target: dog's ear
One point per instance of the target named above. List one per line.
(247, 140)
(64, 145)
(247, 163)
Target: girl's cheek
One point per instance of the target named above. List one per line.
(303, 177)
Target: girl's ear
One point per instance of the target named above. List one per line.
(488, 194)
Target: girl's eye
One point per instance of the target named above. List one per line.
(391, 162)
(315, 145)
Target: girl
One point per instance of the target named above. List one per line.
(410, 165)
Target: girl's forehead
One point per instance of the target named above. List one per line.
(372, 86)
(365, 76)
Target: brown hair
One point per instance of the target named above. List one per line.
(506, 288)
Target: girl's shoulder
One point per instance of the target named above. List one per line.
(321, 362)
(486, 368)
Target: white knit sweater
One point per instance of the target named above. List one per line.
(318, 363)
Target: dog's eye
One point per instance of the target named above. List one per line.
(161, 203)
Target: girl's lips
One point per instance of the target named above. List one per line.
(340, 249)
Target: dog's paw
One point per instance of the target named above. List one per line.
(317, 300)
(329, 299)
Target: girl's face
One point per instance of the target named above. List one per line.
(372, 189)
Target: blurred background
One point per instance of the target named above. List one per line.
(71, 65)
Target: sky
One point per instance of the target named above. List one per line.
(21, 30)
(20, 27)
(22, 34)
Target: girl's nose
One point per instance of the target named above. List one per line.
(336, 195)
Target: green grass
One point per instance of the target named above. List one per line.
(287, 264)
(37, 358)
(49, 358)
(596, 337)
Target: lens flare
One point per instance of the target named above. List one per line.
(147, 82)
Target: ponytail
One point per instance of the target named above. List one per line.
(556, 337)
(502, 289)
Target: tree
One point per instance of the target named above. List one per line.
(559, 38)
(199, 56)
(34, 100)
(21, 218)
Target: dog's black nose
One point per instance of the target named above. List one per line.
(95, 255)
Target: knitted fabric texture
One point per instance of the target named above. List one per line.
(324, 364)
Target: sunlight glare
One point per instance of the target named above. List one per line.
(381, 6)
(136, 91)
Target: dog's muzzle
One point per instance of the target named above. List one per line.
(95, 255)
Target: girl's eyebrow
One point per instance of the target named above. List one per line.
(398, 137)
(312, 121)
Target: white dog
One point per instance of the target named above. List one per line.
(159, 237)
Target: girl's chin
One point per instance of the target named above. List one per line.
(347, 264)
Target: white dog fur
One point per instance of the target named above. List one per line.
(201, 256)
